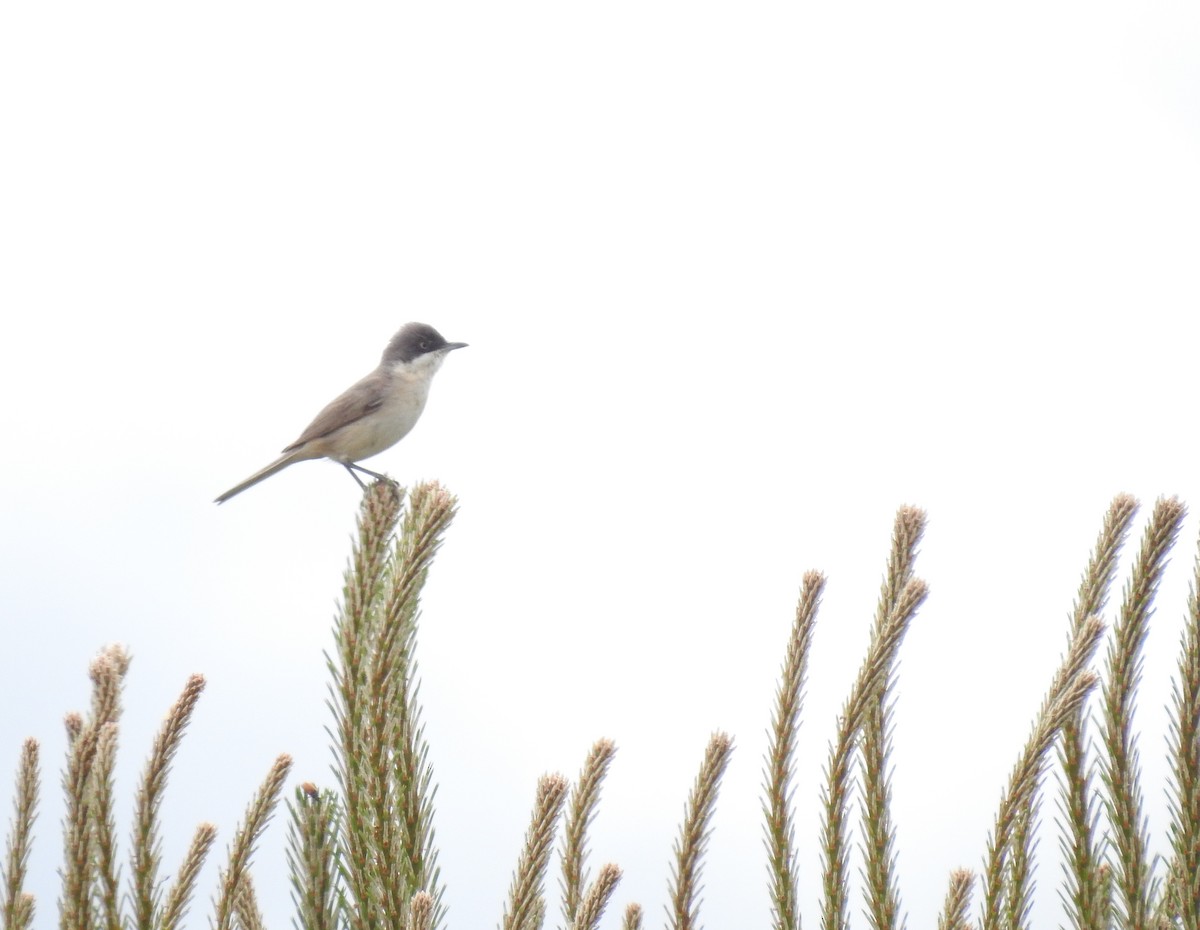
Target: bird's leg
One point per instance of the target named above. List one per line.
(366, 471)
(350, 468)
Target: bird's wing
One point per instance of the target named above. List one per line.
(354, 404)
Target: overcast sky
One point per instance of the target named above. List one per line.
(738, 279)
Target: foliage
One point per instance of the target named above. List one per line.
(364, 857)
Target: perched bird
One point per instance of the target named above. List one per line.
(374, 414)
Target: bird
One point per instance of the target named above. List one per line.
(372, 415)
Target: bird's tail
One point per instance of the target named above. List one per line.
(278, 465)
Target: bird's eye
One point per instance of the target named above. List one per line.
(426, 345)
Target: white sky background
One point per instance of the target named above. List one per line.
(738, 280)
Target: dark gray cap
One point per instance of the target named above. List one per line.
(415, 340)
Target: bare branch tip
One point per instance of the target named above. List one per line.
(914, 594)
(552, 782)
(813, 579)
(720, 742)
(112, 658)
(420, 911)
(1171, 507)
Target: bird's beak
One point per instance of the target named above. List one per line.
(455, 345)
